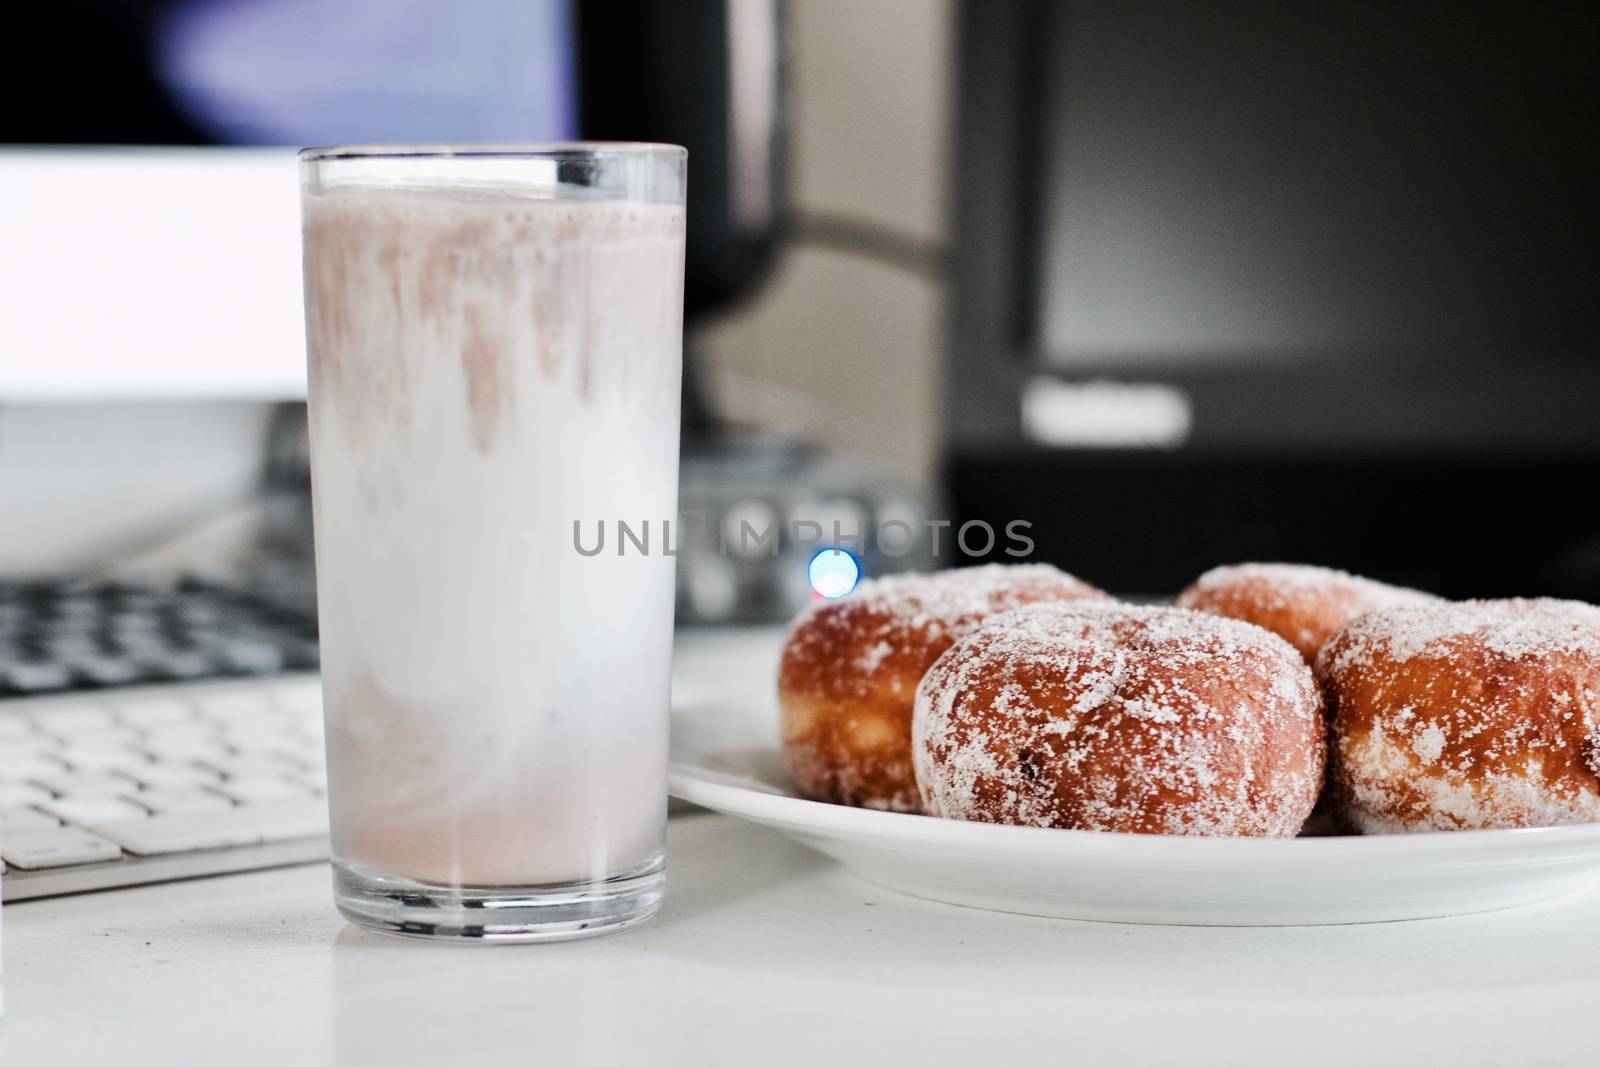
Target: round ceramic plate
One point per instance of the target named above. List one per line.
(727, 759)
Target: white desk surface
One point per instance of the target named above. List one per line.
(766, 953)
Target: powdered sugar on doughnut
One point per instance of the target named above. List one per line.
(1460, 716)
(850, 668)
(1306, 577)
(1301, 603)
(1113, 717)
(891, 613)
(1510, 629)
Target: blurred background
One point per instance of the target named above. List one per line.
(1174, 284)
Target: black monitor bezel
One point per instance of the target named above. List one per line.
(1375, 403)
(993, 281)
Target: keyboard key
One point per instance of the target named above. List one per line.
(178, 801)
(252, 657)
(248, 765)
(26, 819)
(300, 695)
(29, 767)
(146, 711)
(15, 793)
(222, 704)
(128, 624)
(102, 757)
(173, 774)
(180, 665)
(111, 737)
(86, 784)
(18, 749)
(177, 733)
(93, 810)
(13, 725)
(70, 718)
(261, 789)
(258, 743)
(304, 718)
(236, 827)
(263, 729)
(28, 676)
(63, 846)
(186, 747)
(317, 783)
(105, 670)
(291, 768)
(300, 753)
(199, 615)
(271, 762)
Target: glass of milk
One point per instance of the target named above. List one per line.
(494, 340)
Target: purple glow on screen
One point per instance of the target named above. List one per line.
(304, 72)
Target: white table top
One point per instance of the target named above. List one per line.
(766, 953)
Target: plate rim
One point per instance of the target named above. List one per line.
(749, 798)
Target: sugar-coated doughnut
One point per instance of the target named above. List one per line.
(1115, 717)
(1304, 605)
(850, 668)
(1466, 716)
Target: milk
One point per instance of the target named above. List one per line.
(486, 370)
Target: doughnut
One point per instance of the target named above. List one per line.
(1465, 716)
(1146, 720)
(1301, 604)
(850, 668)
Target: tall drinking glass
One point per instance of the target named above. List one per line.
(495, 342)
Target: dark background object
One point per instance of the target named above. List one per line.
(699, 74)
(662, 70)
(1464, 526)
(1360, 239)
(83, 72)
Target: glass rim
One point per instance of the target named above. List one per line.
(509, 150)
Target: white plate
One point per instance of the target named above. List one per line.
(726, 759)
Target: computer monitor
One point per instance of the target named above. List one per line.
(1293, 281)
(151, 241)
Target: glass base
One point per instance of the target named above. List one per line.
(506, 914)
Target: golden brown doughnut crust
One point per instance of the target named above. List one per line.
(1121, 718)
(850, 670)
(1466, 716)
(1304, 605)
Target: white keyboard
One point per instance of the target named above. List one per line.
(124, 786)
